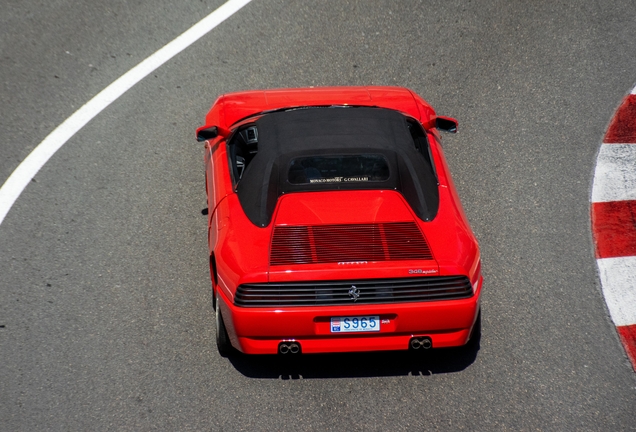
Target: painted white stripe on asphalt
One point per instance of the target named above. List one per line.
(24, 173)
(618, 279)
(615, 175)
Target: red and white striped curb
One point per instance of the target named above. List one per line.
(613, 211)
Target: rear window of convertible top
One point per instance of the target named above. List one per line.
(338, 169)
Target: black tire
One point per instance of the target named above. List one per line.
(213, 279)
(475, 334)
(222, 339)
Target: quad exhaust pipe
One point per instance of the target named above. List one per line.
(288, 348)
(421, 342)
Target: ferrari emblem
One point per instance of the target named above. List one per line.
(354, 293)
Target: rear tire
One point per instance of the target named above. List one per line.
(213, 280)
(475, 334)
(222, 339)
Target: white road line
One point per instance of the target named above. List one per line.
(618, 279)
(615, 176)
(24, 173)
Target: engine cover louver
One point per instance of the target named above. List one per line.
(345, 243)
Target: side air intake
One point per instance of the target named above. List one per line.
(354, 242)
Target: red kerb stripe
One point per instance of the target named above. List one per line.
(623, 126)
(614, 228)
(628, 337)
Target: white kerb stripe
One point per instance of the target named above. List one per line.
(615, 175)
(24, 173)
(618, 279)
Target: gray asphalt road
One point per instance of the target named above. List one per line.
(105, 314)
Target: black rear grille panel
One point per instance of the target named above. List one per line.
(370, 291)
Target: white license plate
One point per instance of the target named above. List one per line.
(355, 324)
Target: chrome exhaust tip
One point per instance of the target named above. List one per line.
(288, 348)
(415, 343)
(421, 342)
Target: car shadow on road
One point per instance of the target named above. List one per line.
(358, 365)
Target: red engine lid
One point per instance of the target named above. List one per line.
(345, 234)
(342, 207)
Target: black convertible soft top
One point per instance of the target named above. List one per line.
(319, 133)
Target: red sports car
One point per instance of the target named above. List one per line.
(334, 225)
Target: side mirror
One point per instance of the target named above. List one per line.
(205, 133)
(447, 124)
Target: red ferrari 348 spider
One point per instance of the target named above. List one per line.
(334, 225)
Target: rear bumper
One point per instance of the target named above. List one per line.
(447, 323)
